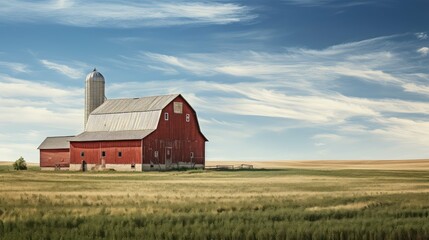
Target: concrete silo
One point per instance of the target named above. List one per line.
(94, 92)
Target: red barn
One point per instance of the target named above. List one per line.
(133, 134)
(55, 153)
(149, 133)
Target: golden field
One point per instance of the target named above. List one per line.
(412, 164)
(278, 200)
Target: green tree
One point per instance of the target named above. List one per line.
(20, 164)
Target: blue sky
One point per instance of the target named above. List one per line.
(270, 80)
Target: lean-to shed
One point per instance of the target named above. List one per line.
(55, 153)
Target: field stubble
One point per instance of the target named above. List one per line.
(260, 204)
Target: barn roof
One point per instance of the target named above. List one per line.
(128, 114)
(125, 119)
(61, 142)
(111, 136)
(127, 105)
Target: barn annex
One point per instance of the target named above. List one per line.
(134, 134)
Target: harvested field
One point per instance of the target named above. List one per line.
(292, 203)
(419, 164)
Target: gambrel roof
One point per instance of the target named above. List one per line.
(128, 105)
(125, 119)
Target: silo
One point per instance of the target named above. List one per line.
(94, 92)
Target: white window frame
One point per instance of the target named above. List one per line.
(166, 116)
(156, 154)
(188, 117)
(192, 154)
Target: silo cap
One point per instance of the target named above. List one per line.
(94, 76)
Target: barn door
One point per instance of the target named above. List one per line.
(168, 157)
(84, 167)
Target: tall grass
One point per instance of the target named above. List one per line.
(281, 204)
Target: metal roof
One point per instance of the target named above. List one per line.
(143, 104)
(123, 121)
(61, 142)
(112, 136)
(130, 114)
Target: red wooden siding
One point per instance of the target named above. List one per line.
(181, 136)
(54, 157)
(131, 152)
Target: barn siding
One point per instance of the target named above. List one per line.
(131, 152)
(181, 136)
(55, 157)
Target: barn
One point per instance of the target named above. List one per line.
(55, 153)
(132, 134)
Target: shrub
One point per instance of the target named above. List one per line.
(20, 164)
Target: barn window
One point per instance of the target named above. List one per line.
(166, 116)
(119, 154)
(82, 154)
(103, 153)
(178, 107)
(155, 154)
(192, 154)
(188, 117)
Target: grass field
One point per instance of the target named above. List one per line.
(291, 203)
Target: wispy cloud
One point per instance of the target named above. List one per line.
(14, 66)
(328, 3)
(124, 14)
(412, 87)
(182, 63)
(424, 51)
(329, 136)
(407, 131)
(32, 110)
(303, 86)
(421, 35)
(63, 69)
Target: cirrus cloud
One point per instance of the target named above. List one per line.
(124, 14)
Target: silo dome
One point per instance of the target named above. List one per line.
(94, 76)
(94, 92)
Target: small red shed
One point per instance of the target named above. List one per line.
(149, 133)
(55, 153)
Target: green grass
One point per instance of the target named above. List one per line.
(245, 204)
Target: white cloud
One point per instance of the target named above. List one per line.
(406, 131)
(16, 67)
(13, 87)
(327, 136)
(421, 35)
(124, 14)
(63, 69)
(411, 87)
(424, 51)
(328, 3)
(190, 65)
(368, 60)
(31, 111)
(165, 70)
